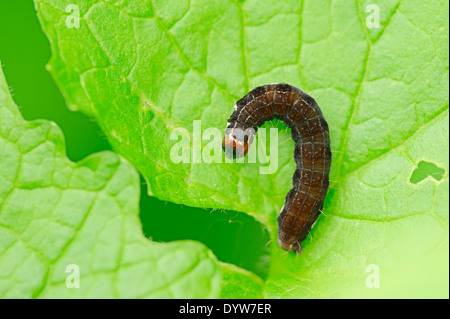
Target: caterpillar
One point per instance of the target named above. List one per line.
(312, 153)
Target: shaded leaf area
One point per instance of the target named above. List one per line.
(24, 54)
(230, 235)
(55, 214)
(144, 68)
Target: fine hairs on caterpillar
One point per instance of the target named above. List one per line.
(312, 153)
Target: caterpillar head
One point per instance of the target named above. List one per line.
(236, 142)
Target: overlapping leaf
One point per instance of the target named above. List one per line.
(60, 220)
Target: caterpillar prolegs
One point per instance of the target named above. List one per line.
(312, 152)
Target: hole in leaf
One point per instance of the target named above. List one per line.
(425, 169)
(234, 237)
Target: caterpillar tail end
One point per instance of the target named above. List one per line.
(295, 246)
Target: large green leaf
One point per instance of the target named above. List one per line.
(54, 213)
(144, 68)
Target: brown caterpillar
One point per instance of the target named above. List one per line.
(312, 153)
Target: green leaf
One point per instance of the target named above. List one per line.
(55, 213)
(144, 68)
(240, 284)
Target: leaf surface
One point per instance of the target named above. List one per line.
(144, 68)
